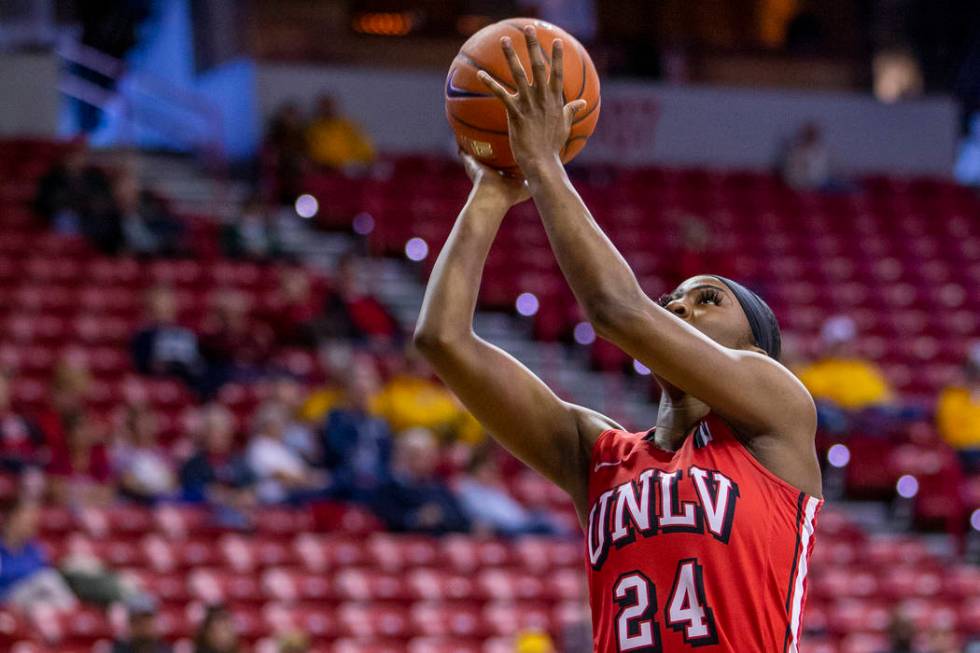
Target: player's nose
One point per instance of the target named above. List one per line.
(679, 308)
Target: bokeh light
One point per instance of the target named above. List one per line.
(527, 304)
(306, 206)
(839, 455)
(975, 519)
(416, 249)
(640, 368)
(584, 333)
(907, 486)
(363, 224)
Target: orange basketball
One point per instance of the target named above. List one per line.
(480, 119)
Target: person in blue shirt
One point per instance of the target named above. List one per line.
(415, 499)
(356, 445)
(26, 577)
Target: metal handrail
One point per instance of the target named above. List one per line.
(151, 86)
(209, 124)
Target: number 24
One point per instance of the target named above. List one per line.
(685, 611)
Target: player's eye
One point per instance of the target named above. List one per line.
(709, 296)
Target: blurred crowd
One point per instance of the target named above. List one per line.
(324, 139)
(373, 427)
(854, 395)
(110, 206)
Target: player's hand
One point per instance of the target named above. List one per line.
(489, 182)
(538, 118)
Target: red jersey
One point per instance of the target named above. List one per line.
(703, 547)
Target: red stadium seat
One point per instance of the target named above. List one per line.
(435, 584)
(465, 554)
(288, 585)
(443, 645)
(318, 552)
(508, 617)
(366, 583)
(374, 620)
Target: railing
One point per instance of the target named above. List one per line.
(144, 101)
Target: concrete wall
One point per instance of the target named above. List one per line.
(28, 95)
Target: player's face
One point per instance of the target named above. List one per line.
(710, 307)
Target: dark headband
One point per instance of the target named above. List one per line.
(762, 321)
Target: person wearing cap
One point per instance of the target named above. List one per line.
(958, 411)
(839, 376)
(142, 634)
(699, 529)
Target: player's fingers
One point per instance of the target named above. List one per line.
(572, 108)
(539, 68)
(557, 67)
(508, 98)
(516, 68)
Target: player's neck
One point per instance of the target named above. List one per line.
(678, 413)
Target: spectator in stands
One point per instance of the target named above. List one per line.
(285, 151)
(235, 345)
(356, 444)
(253, 234)
(840, 381)
(80, 473)
(335, 141)
(943, 639)
(27, 579)
(162, 347)
(412, 397)
(146, 225)
(145, 470)
(216, 473)
(490, 507)
(806, 162)
(352, 311)
(299, 436)
(217, 633)
(337, 358)
(73, 191)
(534, 641)
(283, 475)
(143, 633)
(958, 412)
(78, 467)
(901, 633)
(296, 309)
(415, 499)
(293, 642)
(21, 442)
(695, 249)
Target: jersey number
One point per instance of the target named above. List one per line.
(685, 610)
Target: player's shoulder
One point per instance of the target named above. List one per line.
(617, 443)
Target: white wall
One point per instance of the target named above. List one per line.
(28, 95)
(719, 127)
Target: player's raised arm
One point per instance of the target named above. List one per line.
(517, 408)
(745, 386)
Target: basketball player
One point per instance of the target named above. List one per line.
(700, 529)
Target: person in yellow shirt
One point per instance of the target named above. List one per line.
(334, 141)
(840, 377)
(534, 641)
(412, 398)
(958, 412)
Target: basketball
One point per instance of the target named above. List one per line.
(479, 119)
